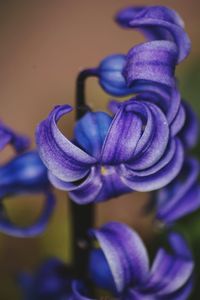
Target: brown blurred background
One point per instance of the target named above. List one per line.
(43, 45)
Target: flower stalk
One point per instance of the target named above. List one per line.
(82, 215)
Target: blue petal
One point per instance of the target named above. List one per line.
(7, 227)
(8, 136)
(91, 130)
(24, 174)
(100, 272)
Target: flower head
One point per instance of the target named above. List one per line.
(136, 149)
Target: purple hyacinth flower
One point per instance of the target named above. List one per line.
(126, 271)
(25, 174)
(133, 150)
(181, 196)
(8, 136)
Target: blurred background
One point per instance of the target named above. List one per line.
(43, 45)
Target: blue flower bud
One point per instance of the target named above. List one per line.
(111, 77)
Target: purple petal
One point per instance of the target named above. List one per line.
(133, 294)
(168, 274)
(182, 196)
(158, 179)
(152, 61)
(101, 184)
(190, 132)
(183, 293)
(168, 101)
(157, 23)
(112, 185)
(125, 253)
(166, 158)
(153, 142)
(65, 160)
(82, 193)
(7, 227)
(178, 121)
(122, 137)
(179, 246)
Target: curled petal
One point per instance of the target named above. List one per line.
(125, 253)
(139, 134)
(65, 160)
(153, 62)
(178, 121)
(157, 23)
(190, 132)
(158, 179)
(153, 142)
(179, 246)
(90, 132)
(183, 293)
(84, 192)
(7, 227)
(168, 101)
(101, 184)
(164, 161)
(169, 273)
(122, 137)
(181, 196)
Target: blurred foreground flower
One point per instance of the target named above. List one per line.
(121, 266)
(24, 174)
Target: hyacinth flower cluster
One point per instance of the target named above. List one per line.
(141, 145)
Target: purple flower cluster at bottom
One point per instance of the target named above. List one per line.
(120, 265)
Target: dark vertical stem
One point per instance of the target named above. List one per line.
(82, 215)
(81, 105)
